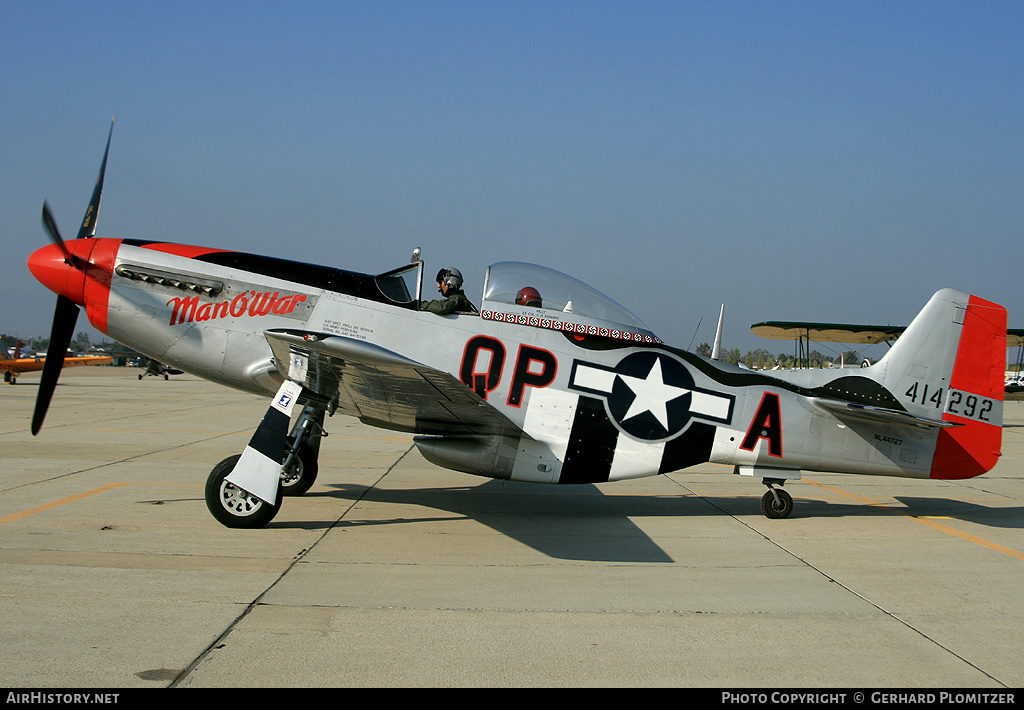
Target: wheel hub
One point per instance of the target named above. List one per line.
(238, 502)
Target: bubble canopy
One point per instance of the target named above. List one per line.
(566, 303)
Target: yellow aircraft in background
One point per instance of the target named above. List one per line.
(12, 367)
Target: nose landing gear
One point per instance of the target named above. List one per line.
(301, 462)
(234, 507)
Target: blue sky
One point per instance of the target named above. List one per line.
(795, 161)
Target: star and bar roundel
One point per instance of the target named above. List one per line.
(650, 395)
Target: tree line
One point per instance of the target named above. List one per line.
(81, 343)
(762, 359)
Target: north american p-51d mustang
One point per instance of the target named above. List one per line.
(554, 384)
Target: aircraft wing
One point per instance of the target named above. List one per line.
(88, 360)
(839, 333)
(383, 388)
(34, 364)
(827, 332)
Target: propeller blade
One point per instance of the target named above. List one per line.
(51, 228)
(65, 315)
(88, 228)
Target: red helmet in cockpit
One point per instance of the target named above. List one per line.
(528, 296)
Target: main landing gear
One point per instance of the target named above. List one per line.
(236, 508)
(776, 503)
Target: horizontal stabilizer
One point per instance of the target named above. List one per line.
(881, 415)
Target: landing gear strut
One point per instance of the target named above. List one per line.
(776, 503)
(301, 461)
(236, 508)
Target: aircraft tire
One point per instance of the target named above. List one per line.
(233, 507)
(303, 476)
(777, 510)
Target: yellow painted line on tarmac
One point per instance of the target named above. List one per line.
(929, 521)
(56, 503)
(854, 496)
(971, 538)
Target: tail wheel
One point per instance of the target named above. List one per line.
(233, 507)
(776, 504)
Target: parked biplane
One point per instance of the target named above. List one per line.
(804, 333)
(564, 387)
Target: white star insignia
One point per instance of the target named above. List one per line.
(652, 394)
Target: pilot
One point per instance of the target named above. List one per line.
(449, 283)
(529, 296)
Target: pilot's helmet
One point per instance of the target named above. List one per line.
(450, 277)
(528, 296)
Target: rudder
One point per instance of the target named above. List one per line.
(975, 397)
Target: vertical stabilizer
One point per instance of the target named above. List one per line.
(949, 364)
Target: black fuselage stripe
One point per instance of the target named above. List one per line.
(690, 448)
(592, 442)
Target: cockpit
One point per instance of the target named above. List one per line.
(528, 294)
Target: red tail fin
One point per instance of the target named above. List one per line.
(975, 397)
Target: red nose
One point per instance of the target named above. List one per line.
(50, 266)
